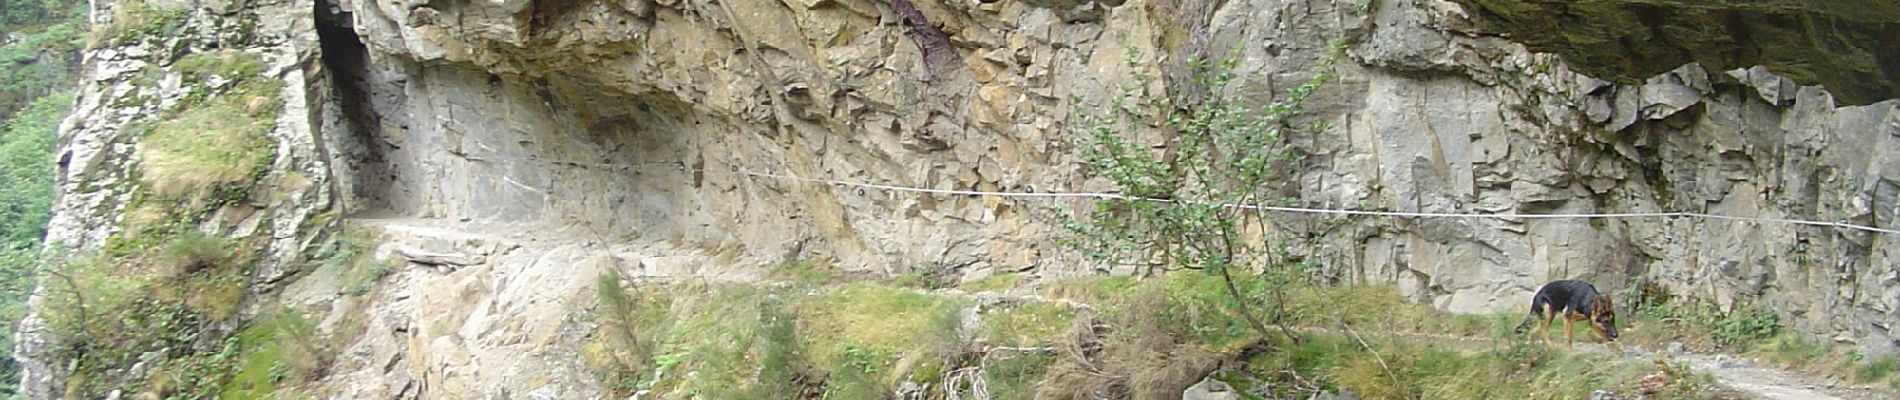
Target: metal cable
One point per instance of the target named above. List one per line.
(1114, 196)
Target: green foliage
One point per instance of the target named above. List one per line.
(1382, 306)
(37, 67)
(1028, 324)
(706, 341)
(136, 20)
(1661, 318)
(894, 332)
(1877, 370)
(1219, 152)
(853, 340)
(45, 60)
(15, 14)
(1746, 325)
(26, 170)
(226, 64)
(1381, 366)
(806, 271)
(26, 194)
(1014, 376)
(109, 309)
(277, 351)
(1223, 152)
(351, 260)
(994, 283)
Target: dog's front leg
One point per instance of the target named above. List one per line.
(1570, 340)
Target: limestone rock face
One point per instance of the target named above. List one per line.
(539, 143)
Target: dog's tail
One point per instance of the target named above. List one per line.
(1537, 306)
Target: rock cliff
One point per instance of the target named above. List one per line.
(512, 150)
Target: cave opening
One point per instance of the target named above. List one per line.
(451, 141)
(354, 126)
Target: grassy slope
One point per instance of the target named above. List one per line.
(1147, 339)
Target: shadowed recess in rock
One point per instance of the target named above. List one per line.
(1845, 45)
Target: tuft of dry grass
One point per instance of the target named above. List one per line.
(216, 143)
(203, 150)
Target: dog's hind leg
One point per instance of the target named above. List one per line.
(1549, 320)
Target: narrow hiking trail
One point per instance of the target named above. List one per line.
(1743, 375)
(1774, 383)
(661, 261)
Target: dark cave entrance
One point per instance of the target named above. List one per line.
(353, 124)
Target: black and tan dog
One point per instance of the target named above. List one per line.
(1577, 301)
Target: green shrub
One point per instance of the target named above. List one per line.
(1214, 151)
(278, 350)
(109, 309)
(1746, 325)
(1659, 318)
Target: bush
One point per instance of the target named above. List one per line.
(110, 309)
(1219, 151)
(1660, 317)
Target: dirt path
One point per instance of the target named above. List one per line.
(1737, 373)
(1773, 383)
(664, 262)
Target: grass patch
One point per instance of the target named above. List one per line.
(352, 255)
(855, 340)
(1657, 317)
(229, 65)
(808, 271)
(1160, 335)
(869, 337)
(1014, 375)
(1136, 339)
(732, 342)
(279, 352)
(1382, 306)
(1092, 290)
(111, 308)
(1155, 337)
(204, 151)
(135, 20)
(694, 340)
(1027, 324)
(1390, 368)
(218, 142)
(994, 283)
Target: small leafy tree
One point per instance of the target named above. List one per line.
(1182, 208)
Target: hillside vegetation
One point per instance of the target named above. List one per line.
(36, 72)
